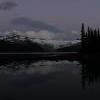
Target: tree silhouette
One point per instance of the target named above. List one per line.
(90, 40)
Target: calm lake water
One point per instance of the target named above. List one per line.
(31, 80)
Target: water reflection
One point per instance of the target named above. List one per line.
(35, 67)
(30, 79)
(26, 79)
(90, 71)
(88, 68)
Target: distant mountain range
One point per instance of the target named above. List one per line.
(72, 48)
(17, 41)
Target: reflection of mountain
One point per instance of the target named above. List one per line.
(32, 66)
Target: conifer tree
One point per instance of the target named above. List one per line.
(82, 30)
(82, 34)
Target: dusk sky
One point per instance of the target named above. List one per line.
(66, 15)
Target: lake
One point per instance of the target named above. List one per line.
(45, 79)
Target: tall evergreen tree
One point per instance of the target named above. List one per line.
(82, 35)
(88, 29)
(82, 30)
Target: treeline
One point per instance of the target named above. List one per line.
(19, 46)
(90, 40)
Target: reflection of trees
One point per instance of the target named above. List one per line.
(90, 71)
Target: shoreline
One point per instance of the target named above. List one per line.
(35, 53)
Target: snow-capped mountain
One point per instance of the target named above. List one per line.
(42, 37)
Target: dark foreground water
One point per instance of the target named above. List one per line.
(44, 79)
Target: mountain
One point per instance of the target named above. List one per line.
(39, 38)
(17, 41)
(72, 48)
(13, 42)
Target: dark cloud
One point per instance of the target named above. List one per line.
(7, 5)
(29, 24)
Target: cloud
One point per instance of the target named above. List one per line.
(38, 29)
(46, 37)
(7, 5)
(30, 24)
(41, 34)
(75, 32)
